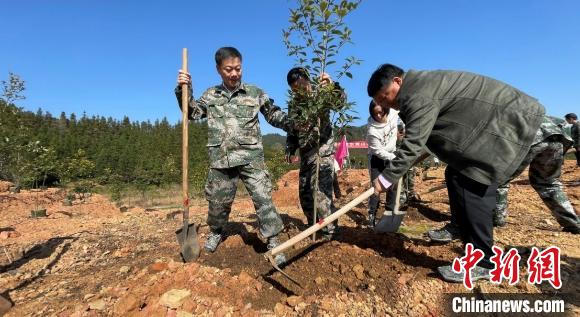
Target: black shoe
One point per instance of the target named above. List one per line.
(572, 230)
(446, 234)
(448, 275)
(413, 199)
(330, 232)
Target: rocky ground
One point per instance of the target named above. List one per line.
(92, 259)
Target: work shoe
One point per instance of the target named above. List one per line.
(448, 275)
(413, 199)
(499, 220)
(572, 230)
(273, 242)
(448, 233)
(330, 235)
(212, 242)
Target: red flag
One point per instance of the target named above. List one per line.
(341, 151)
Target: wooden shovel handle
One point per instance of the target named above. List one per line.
(319, 225)
(185, 143)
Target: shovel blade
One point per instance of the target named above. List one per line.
(389, 223)
(188, 242)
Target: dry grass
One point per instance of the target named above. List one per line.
(167, 196)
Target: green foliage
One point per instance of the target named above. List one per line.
(85, 152)
(315, 37)
(317, 33)
(38, 162)
(84, 188)
(12, 88)
(77, 167)
(276, 164)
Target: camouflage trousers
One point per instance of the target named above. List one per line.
(325, 189)
(220, 191)
(545, 160)
(408, 189)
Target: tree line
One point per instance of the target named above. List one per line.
(39, 149)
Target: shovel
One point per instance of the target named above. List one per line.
(391, 220)
(187, 235)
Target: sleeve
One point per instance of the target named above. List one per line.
(196, 109)
(421, 115)
(292, 141)
(273, 114)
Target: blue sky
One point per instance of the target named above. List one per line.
(117, 58)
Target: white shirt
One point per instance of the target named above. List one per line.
(382, 137)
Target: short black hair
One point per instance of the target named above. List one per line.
(295, 74)
(382, 76)
(572, 116)
(225, 53)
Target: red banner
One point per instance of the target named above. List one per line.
(357, 145)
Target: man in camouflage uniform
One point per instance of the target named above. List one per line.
(572, 119)
(298, 79)
(235, 146)
(544, 159)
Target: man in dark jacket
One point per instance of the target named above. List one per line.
(480, 127)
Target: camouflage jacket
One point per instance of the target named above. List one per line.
(575, 131)
(551, 129)
(234, 136)
(300, 140)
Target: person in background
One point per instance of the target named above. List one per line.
(572, 119)
(546, 157)
(299, 80)
(382, 139)
(335, 183)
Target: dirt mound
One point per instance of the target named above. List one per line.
(5, 186)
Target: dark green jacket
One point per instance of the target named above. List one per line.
(479, 126)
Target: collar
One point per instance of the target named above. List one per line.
(222, 88)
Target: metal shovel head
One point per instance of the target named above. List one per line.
(188, 242)
(390, 222)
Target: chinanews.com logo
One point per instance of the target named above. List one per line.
(543, 266)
